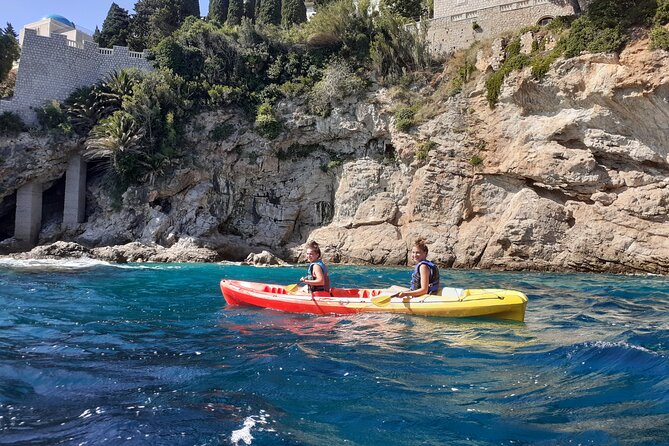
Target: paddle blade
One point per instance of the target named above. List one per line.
(381, 301)
(292, 287)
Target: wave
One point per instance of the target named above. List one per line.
(617, 357)
(244, 433)
(39, 265)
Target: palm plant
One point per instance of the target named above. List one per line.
(119, 140)
(83, 110)
(112, 91)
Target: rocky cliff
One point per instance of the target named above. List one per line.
(570, 173)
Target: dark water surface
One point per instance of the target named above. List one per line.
(96, 354)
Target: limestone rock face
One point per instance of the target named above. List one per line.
(264, 258)
(567, 173)
(185, 251)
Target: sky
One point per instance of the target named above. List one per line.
(83, 13)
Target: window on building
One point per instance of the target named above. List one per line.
(544, 21)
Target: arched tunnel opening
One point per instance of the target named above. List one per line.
(7, 216)
(53, 203)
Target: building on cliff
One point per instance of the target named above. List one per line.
(56, 59)
(459, 23)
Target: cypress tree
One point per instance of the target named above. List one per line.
(235, 12)
(156, 19)
(115, 28)
(9, 50)
(319, 4)
(293, 12)
(250, 10)
(269, 12)
(411, 9)
(218, 10)
(190, 8)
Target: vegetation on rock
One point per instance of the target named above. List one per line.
(115, 28)
(9, 50)
(11, 124)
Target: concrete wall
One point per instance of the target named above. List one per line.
(52, 67)
(453, 25)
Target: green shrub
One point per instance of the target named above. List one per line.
(513, 48)
(659, 38)
(398, 49)
(609, 40)
(621, 13)
(404, 119)
(52, 117)
(542, 63)
(333, 164)
(185, 60)
(269, 95)
(462, 76)
(224, 95)
(560, 23)
(602, 29)
(514, 61)
(476, 160)
(8, 84)
(339, 81)
(11, 124)
(424, 148)
(221, 132)
(266, 123)
(297, 88)
(661, 13)
(493, 87)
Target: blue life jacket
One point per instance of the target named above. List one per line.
(326, 278)
(433, 285)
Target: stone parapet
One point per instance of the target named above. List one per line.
(458, 24)
(52, 67)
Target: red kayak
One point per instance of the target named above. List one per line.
(451, 302)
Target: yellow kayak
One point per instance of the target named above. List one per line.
(451, 302)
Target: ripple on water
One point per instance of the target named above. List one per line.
(150, 354)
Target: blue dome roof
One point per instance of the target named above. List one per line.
(61, 19)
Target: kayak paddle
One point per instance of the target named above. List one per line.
(383, 300)
(292, 287)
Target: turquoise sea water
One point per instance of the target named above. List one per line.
(149, 354)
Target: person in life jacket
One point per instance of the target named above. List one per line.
(425, 276)
(317, 278)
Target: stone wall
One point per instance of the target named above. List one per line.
(52, 67)
(459, 23)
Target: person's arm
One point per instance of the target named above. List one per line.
(319, 277)
(424, 283)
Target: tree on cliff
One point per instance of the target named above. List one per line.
(321, 3)
(218, 10)
(9, 50)
(293, 12)
(115, 28)
(269, 12)
(235, 12)
(156, 19)
(410, 9)
(190, 8)
(250, 10)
